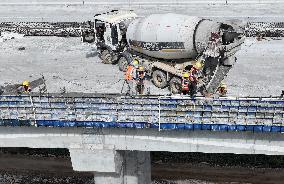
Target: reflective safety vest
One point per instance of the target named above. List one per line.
(129, 73)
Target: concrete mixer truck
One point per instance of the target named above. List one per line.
(167, 45)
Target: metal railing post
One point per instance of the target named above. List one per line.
(34, 110)
(159, 115)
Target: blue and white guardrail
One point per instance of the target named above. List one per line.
(161, 112)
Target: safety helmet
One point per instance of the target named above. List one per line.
(141, 68)
(135, 62)
(198, 65)
(185, 75)
(223, 85)
(26, 83)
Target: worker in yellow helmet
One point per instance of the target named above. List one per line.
(140, 72)
(193, 77)
(139, 78)
(185, 82)
(222, 89)
(24, 88)
(131, 69)
(135, 63)
(130, 73)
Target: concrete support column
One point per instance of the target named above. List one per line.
(111, 166)
(108, 178)
(136, 169)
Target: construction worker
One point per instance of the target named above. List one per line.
(193, 77)
(222, 89)
(131, 69)
(130, 72)
(24, 88)
(185, 83)
(139, 78)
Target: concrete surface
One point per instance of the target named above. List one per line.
(144, 140)
(136, 169)
(258, 71)
(95, 160)
(122, 155)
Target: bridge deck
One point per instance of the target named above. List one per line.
(224, 114)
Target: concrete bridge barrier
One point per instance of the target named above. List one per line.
(223, 114)
(113, 135)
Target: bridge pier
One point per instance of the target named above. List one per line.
(113, 167)
(136, 169)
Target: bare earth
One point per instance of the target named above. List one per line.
(59, 170)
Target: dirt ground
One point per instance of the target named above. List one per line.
(21, 168)
(203, 172)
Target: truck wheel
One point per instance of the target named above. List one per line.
(122, 63)
(88, 37)
(160, 79)
(106, 57)
(175, 85)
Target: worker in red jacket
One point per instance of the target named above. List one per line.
(185, 82)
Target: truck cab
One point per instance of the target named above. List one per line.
(109, 32)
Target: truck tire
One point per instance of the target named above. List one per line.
(106, 57)
(159, 79)
(124, 61)
(175, 85)
(88, 37)
(122, 64)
